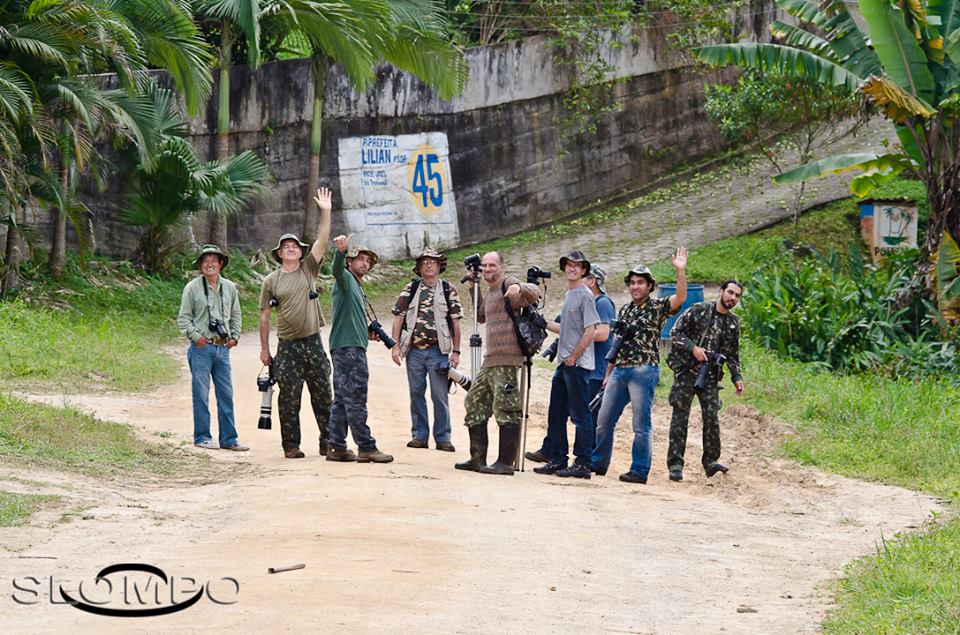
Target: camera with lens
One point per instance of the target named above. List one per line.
(550, 353)
(596, 401)
(376, 328)
(275, 301)
(472, 263)
(714, 364)
(535, 274)
(218, 327)
(622, 332)
(265, 383)
(454, 375)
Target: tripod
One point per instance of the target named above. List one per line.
(476, 342)
(526, 374)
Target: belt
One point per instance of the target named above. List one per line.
(218, 341)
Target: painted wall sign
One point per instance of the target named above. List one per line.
(892, 225)
(397, 192)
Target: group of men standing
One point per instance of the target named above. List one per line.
(601, 360)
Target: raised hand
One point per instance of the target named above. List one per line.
(323, 199)
(679, 259)
(342, 241)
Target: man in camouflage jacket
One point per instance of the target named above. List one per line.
(706, 329)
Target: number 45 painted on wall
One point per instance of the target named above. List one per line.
(427, 181)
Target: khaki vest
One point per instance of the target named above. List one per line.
(440, 319)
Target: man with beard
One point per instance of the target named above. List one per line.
(705, 331)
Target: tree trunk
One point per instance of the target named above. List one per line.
(218, 222)
(58, 243)
(321, 68)
(11, 278)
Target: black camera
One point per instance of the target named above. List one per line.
(472, 263)
(714, 364)
(265, 385)
(596, 401)
(535, 274)
(621, 333)
(275, 301)
(218, 327)
(377, 328)
(550, 353)
(454, 375)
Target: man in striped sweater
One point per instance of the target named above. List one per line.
(496, 389)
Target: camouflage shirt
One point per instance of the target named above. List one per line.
(722, 335)
(425, 328)
(645, 322)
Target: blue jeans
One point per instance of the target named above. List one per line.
(634, 385)
(569, 398)
(422, 364)
(208, 361)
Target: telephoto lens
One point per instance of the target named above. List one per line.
(265, 385)
(376, 327)
(454, 375)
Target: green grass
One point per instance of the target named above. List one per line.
(64, 438)
(16, 508)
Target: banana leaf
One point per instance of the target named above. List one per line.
(829, 165)
(947, 279)
(783, 59)
(897, 48)
(895, 103)
(792, 35)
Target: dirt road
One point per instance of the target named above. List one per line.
(416, 546)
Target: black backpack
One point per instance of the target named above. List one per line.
(530, 326)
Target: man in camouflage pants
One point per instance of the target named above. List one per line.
(292, 290)
(706, 329)
(495, 389)
(348, 347)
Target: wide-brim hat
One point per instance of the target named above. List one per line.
(640, 270)
(355, 251)
(276, 250)
(212, 249)
(599, 274)
(575, 256)
(427, 252)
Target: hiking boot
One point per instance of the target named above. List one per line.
(713, 468)
(342, 455)
(416, 443)
(478, 449)
(509, 441)
(597, 471)
(633, 477)
(577, 470)
(676, 475)
(293, 453)
(551, 468)
(446, 446)
(537, 457)
(323, 448)
(373, 456)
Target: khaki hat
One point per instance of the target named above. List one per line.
(356, 250)
(640, 270)
(212, 249)
(576, 256)
(599, 274)
(427, 252)
(276, 250)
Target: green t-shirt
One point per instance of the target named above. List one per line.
(297, 315)
(349, 328)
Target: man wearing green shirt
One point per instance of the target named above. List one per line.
(210, 318)
(348, 348)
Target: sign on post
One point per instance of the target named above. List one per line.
(397, 192)
(890, 224)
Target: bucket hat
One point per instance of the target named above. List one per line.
(303, 246)
(640, 270)
(427, 252)
(599, 274)
(575, 256)
(212, 249)
(356, 250)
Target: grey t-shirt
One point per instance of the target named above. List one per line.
(579, 312)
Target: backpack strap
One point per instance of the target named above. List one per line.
(446, 296)
(513, 318)
(414, 285)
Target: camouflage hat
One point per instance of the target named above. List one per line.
(640, 270)
(356, 250)
(276, 250)
(599, 274)
(576, 256)
(212, 249)
(427, 252)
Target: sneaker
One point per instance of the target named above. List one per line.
(550, 468)
(577, 470)
(342, 455)
(446, 446)
(633, 477)
(537, 457)
(293, 453)
(373, 456)
(416, 443)
(676, 475)
(713, 468)
(237, 447)
(207, 445)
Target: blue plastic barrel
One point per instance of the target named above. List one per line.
(694, 295)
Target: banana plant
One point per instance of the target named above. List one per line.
(906, 65)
